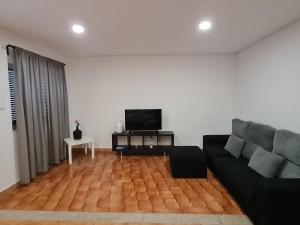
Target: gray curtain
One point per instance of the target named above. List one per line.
(58, 111)
(42, 112)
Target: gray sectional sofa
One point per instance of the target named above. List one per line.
(268, 193)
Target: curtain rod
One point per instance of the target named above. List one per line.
(7, 48)
(13, 46)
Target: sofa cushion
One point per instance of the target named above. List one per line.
(235, 172)
(289, 170)
(266, 163)
(235, 145)
(287, 144)
(261, 135)
(249, 149)
(239, 127)
(216, 151)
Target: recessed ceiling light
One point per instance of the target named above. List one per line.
(205, 25)
(78, 29)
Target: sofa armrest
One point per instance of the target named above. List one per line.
(278, 199)
(219, 140)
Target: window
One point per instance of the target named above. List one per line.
(11, 83)
(11, 78)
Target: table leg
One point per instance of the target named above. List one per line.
(70, 154)
(93, 150)
(85, 148)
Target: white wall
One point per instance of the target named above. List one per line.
(8, 165)
(194, 92)
(268, 80)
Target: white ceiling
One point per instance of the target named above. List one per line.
(144, 27)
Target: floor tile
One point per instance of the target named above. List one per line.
(109, 184)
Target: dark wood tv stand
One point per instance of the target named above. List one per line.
(157, 147)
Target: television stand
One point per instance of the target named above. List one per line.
(144, 144)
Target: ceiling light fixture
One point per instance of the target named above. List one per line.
(78, 29)
(205, 25)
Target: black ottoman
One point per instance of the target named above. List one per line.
(188, 162)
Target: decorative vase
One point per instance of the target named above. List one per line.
(77, 134)
(119, 127)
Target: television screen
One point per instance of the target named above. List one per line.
(143, 119)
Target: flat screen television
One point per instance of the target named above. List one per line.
(143, 119)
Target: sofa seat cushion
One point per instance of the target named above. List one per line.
(236, 173)
(216, 151)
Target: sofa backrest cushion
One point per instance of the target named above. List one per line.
(249, 149)
(235, 145)
(287, 144)
(261, 135)
(266, 163)
(239, 128)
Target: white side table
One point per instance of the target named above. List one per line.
(83, 141)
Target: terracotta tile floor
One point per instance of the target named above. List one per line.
(111, 184)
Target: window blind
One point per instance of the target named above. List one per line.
(12, 94)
